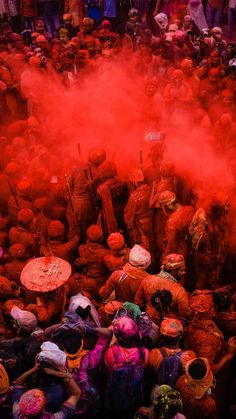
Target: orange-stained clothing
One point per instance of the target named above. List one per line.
(193, 83)
(163, 280)
(60, 249)
(25, 237)
(177, 230)
(116, 259)
(92, 258)
(204, 408)
(204, 337)
(13, 270)
(178, 95)
(51, 311)
(13, 208)
(138, 215)
(156, 357)
(96, 272)
(40, 224)
(125, 286)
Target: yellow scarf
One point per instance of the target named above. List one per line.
(199, 387)
(135, 273)
(74, 360)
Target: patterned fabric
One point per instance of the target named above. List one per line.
(125, 329)
(171, 327)
(32, 402)
(173, 261)
(167, 275)
(167, 402)
(197, 228)
(65, 412)
(12, 7)
(199, 387)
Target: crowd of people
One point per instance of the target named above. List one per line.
(144, 324)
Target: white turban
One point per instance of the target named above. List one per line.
(25, 319)
(82, 301)
(161, 17)
(50, 352)
(139, 257)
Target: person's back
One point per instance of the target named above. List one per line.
(170, 365)
(153, 283)
(18, 261)
(166, 403)
(59, 249)
(195, 390)
(124, 285)
(177, 230)
(224, 315)
(13, 270)
(87, 373)
(92, 254)
(137, 213)
(166, 363)
(126, 282)
(125, 362)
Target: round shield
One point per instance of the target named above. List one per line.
(45, 274)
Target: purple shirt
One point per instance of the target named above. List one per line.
(86, 375)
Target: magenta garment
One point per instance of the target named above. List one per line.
(129, 354)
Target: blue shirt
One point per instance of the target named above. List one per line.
(109, 8)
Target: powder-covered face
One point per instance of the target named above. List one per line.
(187, 22)
(63, 38)
(180, 273)
(172, 28)
(217, 34)
(227, 98)
(134, 18)
(90, 45)
(177, 81)
(215, 61)
(87, 27)
(188, 68)
(213, 76)
(40, 27)
(151, 89)
(162, 22)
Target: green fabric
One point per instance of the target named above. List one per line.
(132, 308)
